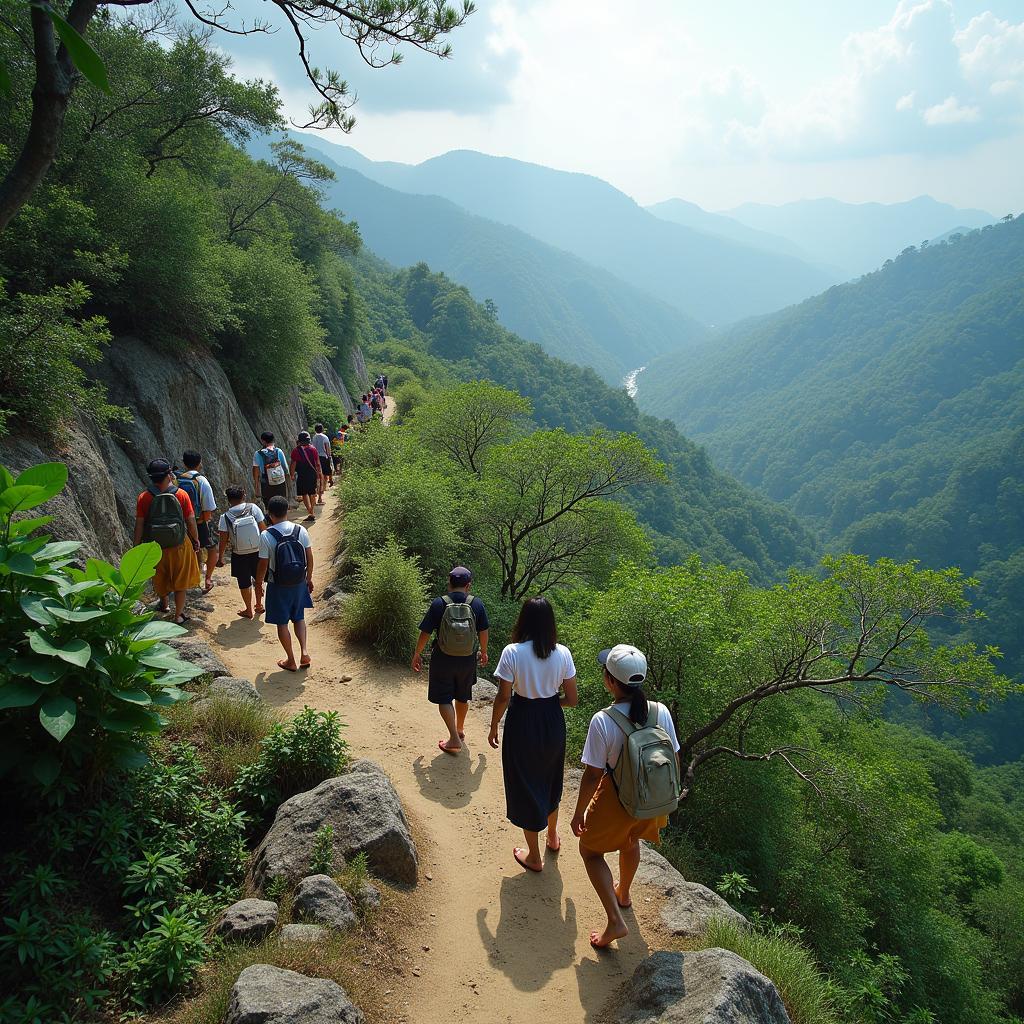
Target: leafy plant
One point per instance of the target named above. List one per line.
(82, 675)
(734, 886)
(164, 959)
(321, 860)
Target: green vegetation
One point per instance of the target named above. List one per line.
(888, 412)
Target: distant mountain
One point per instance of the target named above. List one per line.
(690, 215)
(857, 237)
(714, 279)
(575, 311)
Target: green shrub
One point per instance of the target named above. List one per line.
(323, 408)
(385, 607)
(406, 398)
(321, 860)
(82, 676)
(295, 756)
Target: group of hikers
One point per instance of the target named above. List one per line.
(631, 772)
(631, 763)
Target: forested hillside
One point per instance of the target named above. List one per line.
(713, 279)
(888, 411)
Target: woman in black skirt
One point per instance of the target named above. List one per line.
(530, 673)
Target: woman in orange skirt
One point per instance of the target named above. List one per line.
(601, 822)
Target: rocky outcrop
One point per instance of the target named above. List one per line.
(484, 691)
(247, 921)
(303, 933)
(272, 995)
(321, 900)
(686, 907)
(199, 653)
(179, 398)
(366, 815)
(710, 986)
(233, 688)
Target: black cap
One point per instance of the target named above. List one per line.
(158, 469)
(459, 576)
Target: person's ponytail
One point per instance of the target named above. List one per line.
(638, 710)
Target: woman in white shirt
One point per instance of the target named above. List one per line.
(531, 672)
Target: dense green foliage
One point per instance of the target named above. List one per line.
(890, 412)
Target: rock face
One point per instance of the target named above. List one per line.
(484, 691)
(271, 995)
(366, 815)
(179, 399)
(247, 921)
(321, 900)
(687, 906)
(201, 654)
(711, 986)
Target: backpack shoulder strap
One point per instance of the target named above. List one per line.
(447, 598)
(276, 533)
(621, 721)
(652, 714)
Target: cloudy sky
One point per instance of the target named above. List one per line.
(716, 101)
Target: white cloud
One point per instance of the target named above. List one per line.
(951, 111)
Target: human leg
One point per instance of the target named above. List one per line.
(285, 636)
(300, 635)
(179, 604)
(629, 862)
(453, 744)
(601, 878)
(246, 612)
(530, 857)
(461, 707)
(554, 843)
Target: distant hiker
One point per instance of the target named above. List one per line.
(363, 413)
(269, 470)
(286, 554)
(375, 400)
(384, 383)
(531, 672)
(165, 515)
(241, 526)
(630, 783)
(460, 622)
(200, 493)
(322, 444)
(338, 440)
(306, 474)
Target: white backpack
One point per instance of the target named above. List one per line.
(245, 532)
(272, 466)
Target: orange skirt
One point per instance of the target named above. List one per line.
(609, 827)
(177, 570)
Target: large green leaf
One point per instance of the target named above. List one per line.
(6, 480)
(19, 693)
(50, 476)
(46, 768)
(171, 695)
(97, 569)
(57, 716)
(38, 609)
(157, 630)
(21, 564)
(85, 58)
(79, 614)
(184, 674)
(132, 696)
(23, 526)
(21, 496)
(139, 564)
(60, 549)
(130, 757)
(43, 670)
(130, 718)
(75, 652)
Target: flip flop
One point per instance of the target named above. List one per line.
(522, 863)
(441, 746)
(244, 615)
(207, 587)
(182, 619)
(306, 663)
(284, 664)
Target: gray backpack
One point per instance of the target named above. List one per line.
(646, 775)
(457, 635)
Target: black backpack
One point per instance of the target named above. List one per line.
(289, 558)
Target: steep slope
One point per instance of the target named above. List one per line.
(857, 237)
(575, 311)
(890, 410)
(711, 278)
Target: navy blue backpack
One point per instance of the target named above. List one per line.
(289, 558)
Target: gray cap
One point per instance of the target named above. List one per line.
(625, 663)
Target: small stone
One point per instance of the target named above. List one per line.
(416, 972)
(429, 877)
(303, 933)
(346, 679)
(247, 921)
(320, 899)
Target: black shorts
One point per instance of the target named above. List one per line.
(207, 538)
(325, 465)
(268, 491)
(243, 568)
(450, 678)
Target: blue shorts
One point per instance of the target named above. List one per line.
(286, 604)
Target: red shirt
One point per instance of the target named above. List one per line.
(306, 455)
(146, 499)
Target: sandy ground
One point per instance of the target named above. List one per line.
(493, 939)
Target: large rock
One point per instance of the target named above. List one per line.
(234, 688)
(272, 995)
(303, 933)
(363, 809)
(247, 921)
(200, 654)
(686, 907)
(321, 900)
(484, 691)
(711, 986)
(330, 607)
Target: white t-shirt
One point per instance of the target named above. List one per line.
(257, 513)
(268, 542)
(322, 444)
(605, 739)
(207, 502)
(534, 677)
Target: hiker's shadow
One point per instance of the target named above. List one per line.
(534, 936)
(238, 633)
(279, 687)
(601, 972)
(449, 781)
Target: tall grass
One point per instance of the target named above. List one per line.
(809, 996)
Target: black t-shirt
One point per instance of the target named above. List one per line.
(436, 612)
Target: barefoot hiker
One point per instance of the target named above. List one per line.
(269, 472)
(242, 525)
(164, 514)
(204, 504)
(630, 783)
(536, 667)
(461, 643)
(306, 474)
(285, 550)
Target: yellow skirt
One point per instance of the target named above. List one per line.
(609, 827)
(177, 570)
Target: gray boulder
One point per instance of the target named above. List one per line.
(201, 654)
(363, 809)
(303, 933)
(272, 995)
(330, 606)
(368, 897)
(711, 986)
(247, 921)
(484, 691)
(320, 899)
(234, 688)
(686, 907)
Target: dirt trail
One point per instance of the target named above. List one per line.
(504, 944)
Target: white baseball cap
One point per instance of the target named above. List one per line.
(625, 663)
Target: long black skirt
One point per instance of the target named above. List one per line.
(533, 760)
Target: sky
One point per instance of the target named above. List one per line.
(719, 102)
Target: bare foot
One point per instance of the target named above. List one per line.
(245, 614)
(522, 858)
(288, 666)
(305, 661)
(601, 940)
(447, 747)
(554, 843)
(462, 735)
(260, 609)
(624, 903)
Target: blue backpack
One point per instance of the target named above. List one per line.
(289, 558)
